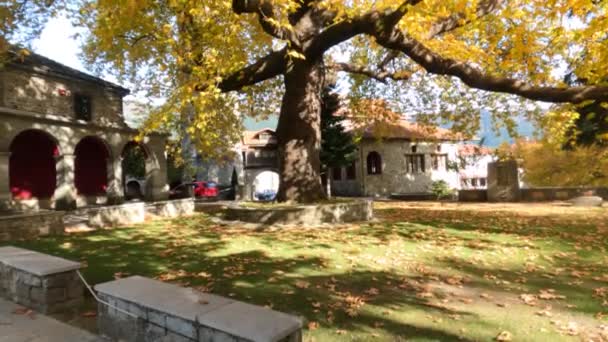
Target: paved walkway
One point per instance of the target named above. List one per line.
(19, 325)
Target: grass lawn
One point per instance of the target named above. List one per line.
(423, 272)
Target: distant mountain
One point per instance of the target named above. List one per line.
(252, 124)
(493, 139)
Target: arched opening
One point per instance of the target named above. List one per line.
(91, 166)
(374, 163)
(266, 186)
(134, 157)
(32, 169)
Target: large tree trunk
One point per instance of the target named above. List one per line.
(299, 134)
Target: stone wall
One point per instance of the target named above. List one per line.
(42, 282)
(559, 193)
(51, 95)
(158, 311)
(395, 178)
(171, 208)
(473, 195)
(314, 214)
(17, 226)
(503, 181)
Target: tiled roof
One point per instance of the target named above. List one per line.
(251, 138)
(45, 65)
(470, 149)
(404, 129)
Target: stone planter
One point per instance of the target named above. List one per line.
(310, 214)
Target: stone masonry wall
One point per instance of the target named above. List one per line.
(46, 294)
(45, 95)
(39, 281)
(30, 225)
(394, 177)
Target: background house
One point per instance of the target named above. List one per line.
(399, 158)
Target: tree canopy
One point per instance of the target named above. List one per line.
(196, 53)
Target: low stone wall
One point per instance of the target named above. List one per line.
(39, 281)
(166, 312)
(416, 196)
(537, 194)
(559, 194)
(171, 208)
(313, 214)
(113, 215)
(472, 195)
(17, 226)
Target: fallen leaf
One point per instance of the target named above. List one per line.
(504, 336)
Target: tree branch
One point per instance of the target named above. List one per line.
(266, 15)
(265, 68)
(455, 20)
(381, 75)
(475, 78)
(370, 23)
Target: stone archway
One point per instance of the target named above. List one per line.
(265, 185)
(135, 160)
(32, 165)
(91, 166)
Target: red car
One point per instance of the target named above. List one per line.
(205, 189)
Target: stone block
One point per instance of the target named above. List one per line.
(48, 296)
(587, 201)
(206, 334)
(152, 332)
(58, 280)
(181, 326)
(29, 279)
(157, 317)
(75, 290)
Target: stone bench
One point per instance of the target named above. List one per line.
(167, 312)
(42, 282)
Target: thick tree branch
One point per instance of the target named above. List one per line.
(370, 23)
(457, 20)
(380, 75)
(475, 78)
(266, 17)
(267, 67)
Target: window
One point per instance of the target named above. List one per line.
(336, 173)
(374, 163)
(439, 162)
(264, 136)
(482, 182)
(414, 163)
(474, 182)
(438, 148)
(82, 107)
(414, 148)
(351, 171)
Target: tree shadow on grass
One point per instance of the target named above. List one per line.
(578, 291)
(298, 284)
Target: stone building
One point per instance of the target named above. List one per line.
(62, 138)
(400, 158)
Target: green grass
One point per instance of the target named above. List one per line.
(420, 273)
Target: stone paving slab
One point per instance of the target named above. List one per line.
(37, 328)
(36, 263)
